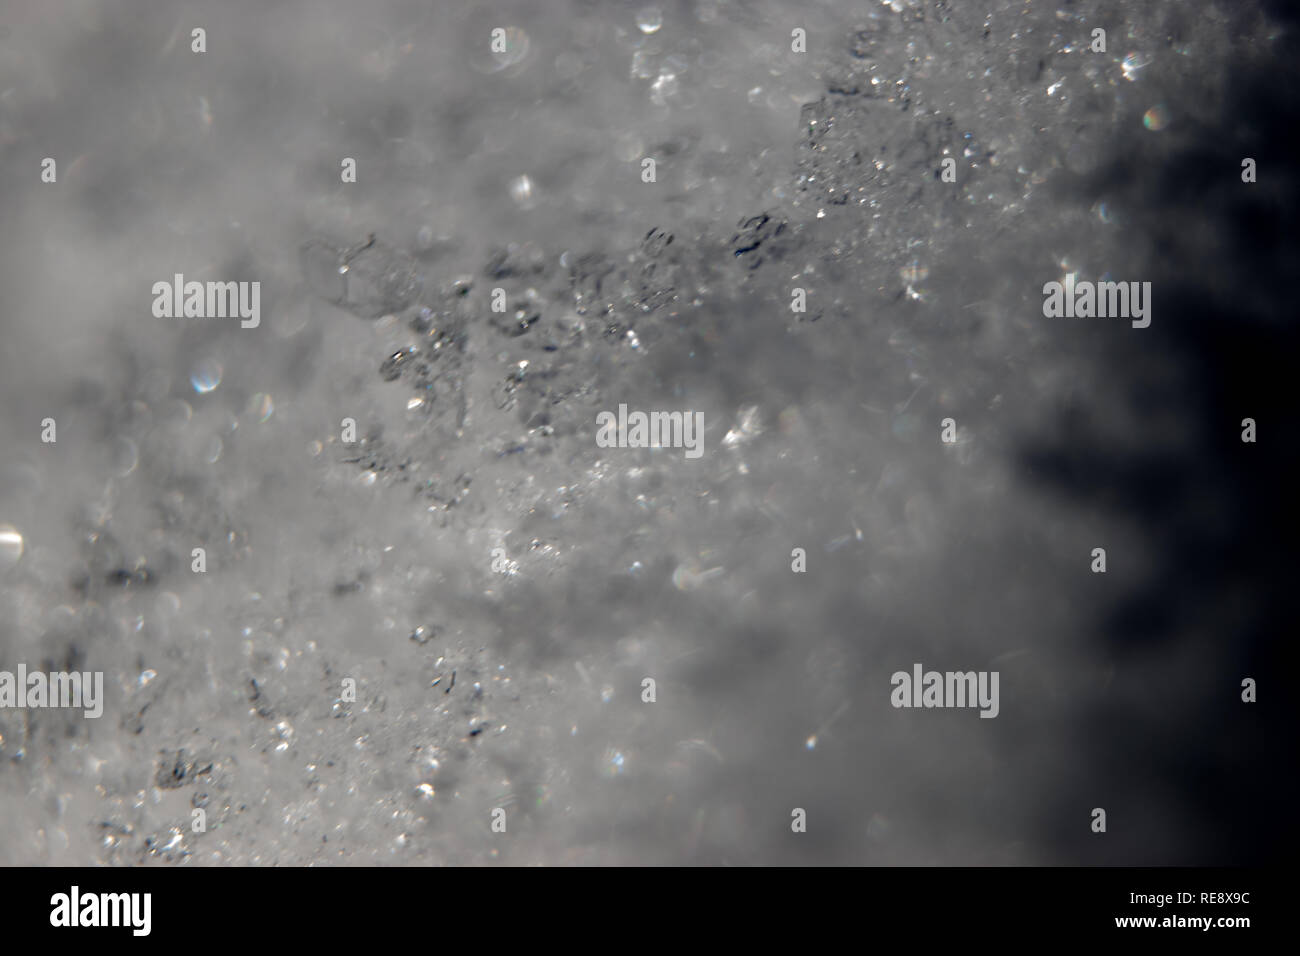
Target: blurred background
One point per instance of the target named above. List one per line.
(520, 687)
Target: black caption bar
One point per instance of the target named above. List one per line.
(305, 906)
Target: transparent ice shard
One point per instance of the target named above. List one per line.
(321, 262)
(369, 280)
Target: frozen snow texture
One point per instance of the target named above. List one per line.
(548, 577)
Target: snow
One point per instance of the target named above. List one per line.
(495, 584)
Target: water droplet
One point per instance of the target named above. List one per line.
(1156, 118)
(212, 453)
(689, 577)
(206, 375)
(125, 457)
(663, 88)
(261, 407)
(614, 763)
(811, 742)
(393, 366)
(748, 427)
(1133, 64)
(913, 272)
(649, 19)
(11, 546)
(289, 321)
(177, 412)
(283, 730)
(521, 191)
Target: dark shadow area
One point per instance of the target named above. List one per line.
(1218, 514)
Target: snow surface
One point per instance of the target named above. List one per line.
(520, 687)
